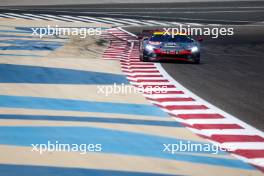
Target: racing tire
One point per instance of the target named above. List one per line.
(196, 61)
(144, 58)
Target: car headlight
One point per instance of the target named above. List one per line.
(194, 49)
(149, 47)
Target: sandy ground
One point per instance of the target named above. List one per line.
(91, 46)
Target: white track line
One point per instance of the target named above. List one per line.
(7, 16)
(210, 132)
(135, 22)
(244, 145)
(119, 21)
(41, 17)
(92, 20)
(208, 121)
(171, 103)
(154, 96)
(156, 23)
(191, 111)
(108, 20)
(77, 18)
(16, 16)
(176, 23)
(193, 24)
(58, 18)
(114, 21)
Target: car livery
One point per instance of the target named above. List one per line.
(163, 46)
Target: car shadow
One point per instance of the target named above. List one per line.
(178, 62)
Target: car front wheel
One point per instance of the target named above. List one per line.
(144, 58)
(196, 59)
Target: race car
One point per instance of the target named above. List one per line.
(162, 46)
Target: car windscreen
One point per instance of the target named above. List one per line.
(170, 38)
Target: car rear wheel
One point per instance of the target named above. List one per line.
(144, 58)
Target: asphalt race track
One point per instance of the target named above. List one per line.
(230, 76)
(239, 12)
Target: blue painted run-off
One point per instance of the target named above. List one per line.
(21, 55)
(47, 75)
(78, 105)
(16, 31)
(112, 141)
(109, 120)
(15, 36)
(25, 170)
(30, 45)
